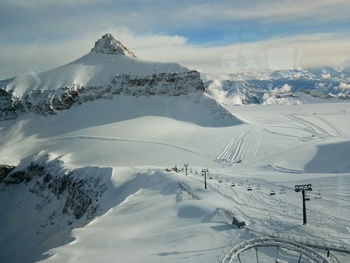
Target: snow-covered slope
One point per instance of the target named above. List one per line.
(108, 58)
(144, 213)
(108, 70)
(104, 180)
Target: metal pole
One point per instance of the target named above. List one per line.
(205, 179)
(303, 188)
(304, 208)
(256, 253)
(239, 259)
(300, 258)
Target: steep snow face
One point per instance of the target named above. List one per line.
(109, 45)
(109, 69)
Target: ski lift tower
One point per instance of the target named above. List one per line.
(303, 188)
(204, 173)
(186, 167)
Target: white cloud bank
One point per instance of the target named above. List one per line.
(269, 10)
(313, 50)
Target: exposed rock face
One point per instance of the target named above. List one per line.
(5, 170)
(78, 194)
(109, 45)
(47, 102)
(42, 201)
(10, 106)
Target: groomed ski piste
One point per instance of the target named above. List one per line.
(149, 212)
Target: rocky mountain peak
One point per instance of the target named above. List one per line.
(107, 44)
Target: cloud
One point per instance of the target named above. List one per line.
(314, 50)
(39, 56)
(271, 10)
(63, 17)
(35, 4)
(42, 34)
(195, 10)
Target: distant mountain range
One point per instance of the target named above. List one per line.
(281, 87)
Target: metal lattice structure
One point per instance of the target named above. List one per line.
(263, 242)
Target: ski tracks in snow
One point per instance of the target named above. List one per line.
(316, 125)
(244, 148)
(116, 139)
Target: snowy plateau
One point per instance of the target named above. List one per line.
(101, 161)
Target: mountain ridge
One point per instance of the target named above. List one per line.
(293, 86)
(109, 69)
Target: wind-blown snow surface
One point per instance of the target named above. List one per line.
(146, 214)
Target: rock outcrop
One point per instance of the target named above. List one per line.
(77, 192)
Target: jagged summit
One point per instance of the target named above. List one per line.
(107, 44)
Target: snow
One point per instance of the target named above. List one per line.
(149, 216)
(94, 183)
(294, 86)
(93, 69)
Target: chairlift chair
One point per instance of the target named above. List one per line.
(318, 195)
(272, 192)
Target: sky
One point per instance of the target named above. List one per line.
(209, 36)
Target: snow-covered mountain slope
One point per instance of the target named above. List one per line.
(281, 87)
(94, 182)
(143, 213)
(108, 70)
(108, 58)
